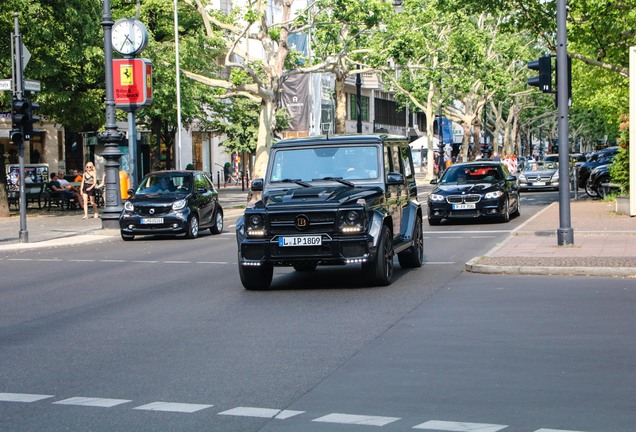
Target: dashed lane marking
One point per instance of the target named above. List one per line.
(173, 407)
(261, 412)
(93, 402)
(555, 430)
(22, 397)
(459, 426)
(356, 419)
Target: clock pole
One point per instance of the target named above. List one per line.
(111, 137)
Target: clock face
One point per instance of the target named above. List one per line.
(129, 36)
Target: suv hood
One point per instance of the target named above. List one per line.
(336, 195)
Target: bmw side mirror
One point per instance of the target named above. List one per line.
(131, 192)
(257, 185)
(434, 181)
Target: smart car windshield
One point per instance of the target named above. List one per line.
(329, 163)
(471, 174)
(164, 184)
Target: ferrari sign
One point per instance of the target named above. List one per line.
(132, 82)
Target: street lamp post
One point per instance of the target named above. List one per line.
(111, 137)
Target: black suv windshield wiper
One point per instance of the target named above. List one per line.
(339, 180)
(297, 181)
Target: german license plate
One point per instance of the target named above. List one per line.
(538, 184)
(300, 241)
(151, 221)
(468, 206)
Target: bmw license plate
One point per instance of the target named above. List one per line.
(468, 206)
(151, 221)
(300, 241)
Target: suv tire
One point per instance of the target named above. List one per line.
(413, 256)
(379, 272)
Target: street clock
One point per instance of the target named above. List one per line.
(129, 36)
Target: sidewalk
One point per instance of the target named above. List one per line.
(65, 228)
(604, 244)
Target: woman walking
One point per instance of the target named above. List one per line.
(88, 186)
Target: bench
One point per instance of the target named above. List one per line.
(34, 193)
(59, 200)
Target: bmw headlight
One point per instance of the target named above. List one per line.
(255, 225)
(351, 221)
(178, 205)
(128, 206)
(435, 197)
(493, 195)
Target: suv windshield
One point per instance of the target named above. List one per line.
(329, 163)
(164, 184)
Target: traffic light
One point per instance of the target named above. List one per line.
(20, 115)
(32, 118)
(544, 80)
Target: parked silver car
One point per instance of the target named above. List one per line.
(539, 175)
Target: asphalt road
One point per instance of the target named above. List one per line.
(159, 335)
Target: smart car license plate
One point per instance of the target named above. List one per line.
(151, 221)
(469, 206)
(300, 241)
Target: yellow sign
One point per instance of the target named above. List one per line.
(126, 74)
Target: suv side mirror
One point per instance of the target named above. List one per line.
(394, 178)
(257, 185)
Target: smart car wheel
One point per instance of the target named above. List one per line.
(413, 256)
(217, 228)
(193, 227)
(379, 271)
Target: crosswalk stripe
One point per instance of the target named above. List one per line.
(356, 419)
(459, 426)
(251, 412)
(22, 397)
(173, 407)
(92, 401)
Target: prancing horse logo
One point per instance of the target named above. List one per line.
(301, 222)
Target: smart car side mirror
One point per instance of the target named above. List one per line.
(257, 185)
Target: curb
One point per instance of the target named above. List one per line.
(473, 266)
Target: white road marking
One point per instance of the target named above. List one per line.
(92, 401)
(212, 262)
(482, 236)
(261, 413)
(22, 397)
(113, 261)
(173, 407)
(356, 419)
(460, 426)
(556, 430)
(145, 262)
(439, 262)
(177, 262)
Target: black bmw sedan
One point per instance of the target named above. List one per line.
(472, 190)
(172, 202)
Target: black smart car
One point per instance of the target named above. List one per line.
(332, 201)
(172, 202)
(472, 190)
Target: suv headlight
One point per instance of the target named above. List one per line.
(492, 195)
(351, 221)
(128, 206)
(436, 197)
(254, 225)
(178, 205)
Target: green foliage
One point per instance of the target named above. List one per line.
(619, 170)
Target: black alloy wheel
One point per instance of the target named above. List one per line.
(414, 256)
(379, 271)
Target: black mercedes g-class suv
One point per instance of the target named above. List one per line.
(332, 200)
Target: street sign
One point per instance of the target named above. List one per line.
(32, 85)
(26, 56)
(5, 84)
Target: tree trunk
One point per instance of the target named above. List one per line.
(267, 123)
(341, 104)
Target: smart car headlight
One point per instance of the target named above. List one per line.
(436, 197)
(179, 204)
(493, 195)
(128, 206)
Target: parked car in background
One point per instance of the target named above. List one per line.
(602, 157)
(539, 175)
(172, 202)
(599, 181)
(474, 189)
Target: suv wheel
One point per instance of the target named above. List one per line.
(413, 256)
(256, 278)
(380, 270)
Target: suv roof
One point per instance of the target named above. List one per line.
(338, 140)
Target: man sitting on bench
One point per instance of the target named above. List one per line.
(55, 187)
